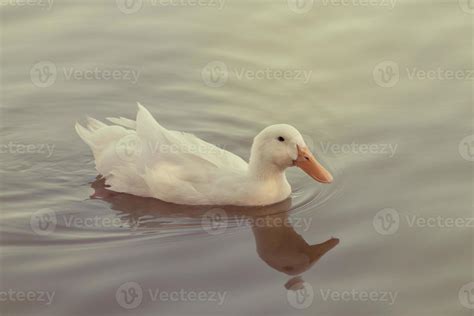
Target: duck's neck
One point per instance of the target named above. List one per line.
(262, 170)
(270, 181)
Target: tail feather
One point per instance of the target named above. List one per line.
(85, 134)
(122, 121)
(94, 124)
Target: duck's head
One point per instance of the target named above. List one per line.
(280, 146)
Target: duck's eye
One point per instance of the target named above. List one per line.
(281, 139)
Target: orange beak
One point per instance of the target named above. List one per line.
(311, 166)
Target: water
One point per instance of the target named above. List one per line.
(368, 85)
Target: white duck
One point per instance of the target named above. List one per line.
(143, 158)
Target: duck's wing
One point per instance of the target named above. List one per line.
(175, 166)
(161, 142)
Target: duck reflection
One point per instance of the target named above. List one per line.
(277, 242)
(283, 249)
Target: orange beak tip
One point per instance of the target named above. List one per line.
(308, 163)
(329, 179)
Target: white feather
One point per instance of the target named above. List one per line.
(142, 157)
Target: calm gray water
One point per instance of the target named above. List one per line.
(381, 90)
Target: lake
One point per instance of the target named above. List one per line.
(381, 90)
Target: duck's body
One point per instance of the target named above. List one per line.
(143, 158)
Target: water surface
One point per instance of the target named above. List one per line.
(368, 86)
